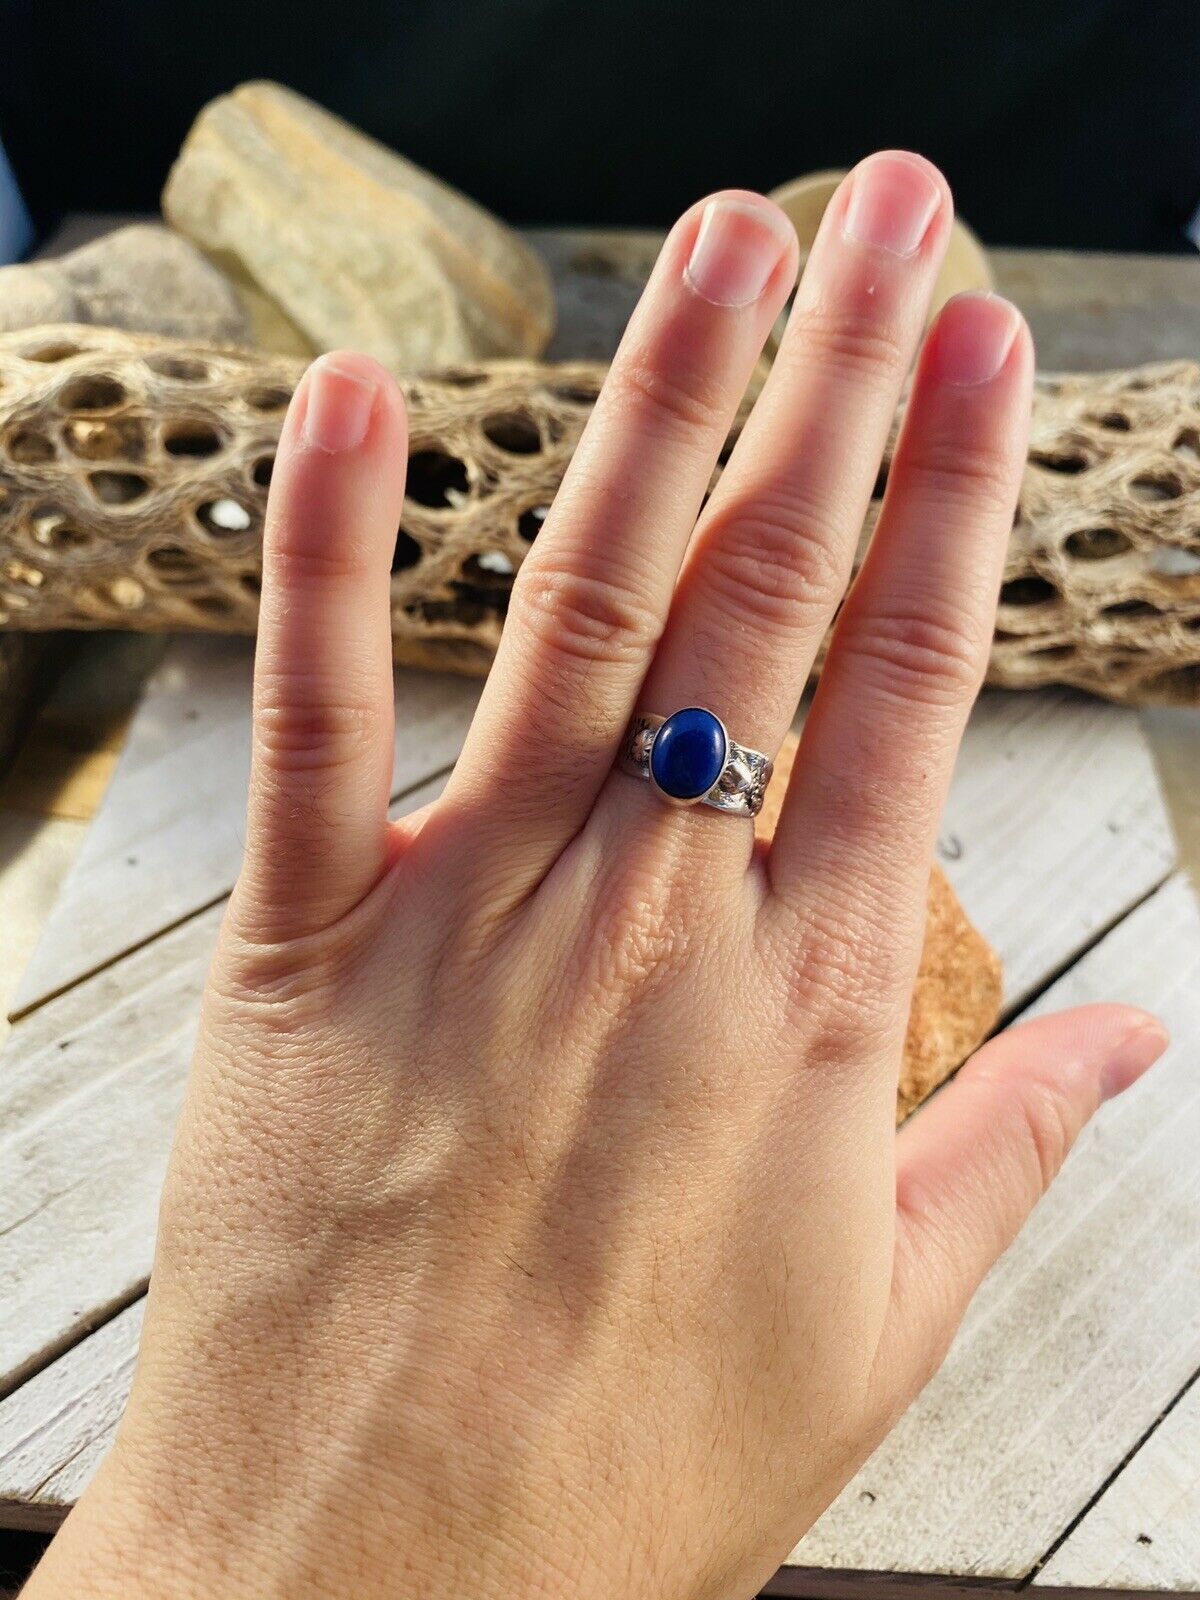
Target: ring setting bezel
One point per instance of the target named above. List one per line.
(702, 794)
(741, 777)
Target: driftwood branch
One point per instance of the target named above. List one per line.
(134, 473)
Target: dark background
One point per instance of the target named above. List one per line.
(1072, 123)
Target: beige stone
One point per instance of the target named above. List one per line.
(338, 241)
(956, 999)
(144, 277)
(133, 478)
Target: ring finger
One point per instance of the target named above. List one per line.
(772, 553)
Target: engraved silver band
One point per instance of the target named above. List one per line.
(740, 787)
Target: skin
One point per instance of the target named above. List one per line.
(536, 1222)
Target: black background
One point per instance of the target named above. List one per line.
(1073, 123)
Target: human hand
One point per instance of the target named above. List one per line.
(536, 1222)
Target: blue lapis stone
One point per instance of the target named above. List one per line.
(688, 754)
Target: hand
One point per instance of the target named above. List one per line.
(536, 1223)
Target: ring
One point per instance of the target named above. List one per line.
(690, 759)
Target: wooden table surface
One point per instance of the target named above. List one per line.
(1060, 1444)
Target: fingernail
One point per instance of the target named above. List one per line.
(893, 200)
(338, 406)
(1132, 1056)
(973, 337)
(738, 247)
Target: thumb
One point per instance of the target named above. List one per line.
(975, 1161)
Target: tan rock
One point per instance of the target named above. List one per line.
(144, 278)
(343, 242)
(956, 1000)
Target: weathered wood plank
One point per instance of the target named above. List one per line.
(48, 795)
(21, 655)
(55, 1429)
(36, 854)
(1055, 826)
(90, 1087)
(1084, 1331)
(167, 839)
(1088, 311)
(1144, 1531)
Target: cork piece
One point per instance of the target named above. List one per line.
(134, 470)
(956, 999)
(143, 277)
(337, 241)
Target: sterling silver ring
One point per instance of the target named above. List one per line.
(690, 759)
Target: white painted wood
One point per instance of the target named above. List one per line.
(170, 823)
(55, 1429)
(1144, 1531)
(167, 839)
(1083, 1332)
(1054, 827)
(36, 854)
(90, 1087)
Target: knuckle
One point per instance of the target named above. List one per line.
(634, 938)
(932, 1347)
(1049, 1125)
(775, 563)
(685, 402)
(294, 976)
(921, 653)
(933, 1311)
(855, 345)
(298, 567)
(583, 616)
(296, 730)
(957, 474)
(846, 976)
(283, 984)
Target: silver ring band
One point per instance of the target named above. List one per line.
(741, 780)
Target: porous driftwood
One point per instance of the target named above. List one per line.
(957, 994)
(134, 473)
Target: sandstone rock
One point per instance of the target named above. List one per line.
(343, 242)
(143, 277)
(957, 996)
